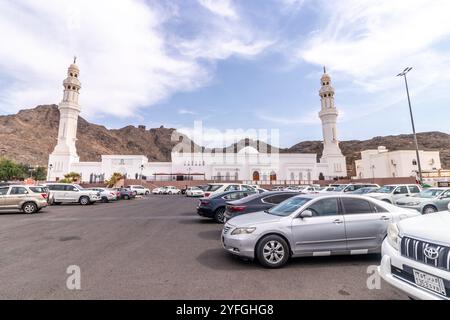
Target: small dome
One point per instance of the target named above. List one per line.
(73, 66)
(248, 150)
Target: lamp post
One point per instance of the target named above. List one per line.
(142, 169)
(189, 173)
(403, 74)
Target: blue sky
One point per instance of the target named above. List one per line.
(232, 64)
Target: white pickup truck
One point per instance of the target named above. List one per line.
(416, 256)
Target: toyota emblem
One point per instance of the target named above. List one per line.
(431, 253)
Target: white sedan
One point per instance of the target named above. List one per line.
(159, 190)
(194, 192)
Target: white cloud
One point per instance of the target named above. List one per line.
(186, 112)
(311, 118)
(370, 43)
(127, 56)
(223, 8)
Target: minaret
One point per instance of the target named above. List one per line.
(332, 154)
(65, 152)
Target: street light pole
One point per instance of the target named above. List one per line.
(403, 74)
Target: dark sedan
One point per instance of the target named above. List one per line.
(257, 202)
(126, 194)
(214, 207)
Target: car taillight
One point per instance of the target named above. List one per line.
(44, 195)
(207, 194)
(236, 208)
(204, 203)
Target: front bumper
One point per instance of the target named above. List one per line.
(239, 245)
(393, 264)
(95, 198)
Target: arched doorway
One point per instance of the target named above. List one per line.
(256, 176)
(273, 176)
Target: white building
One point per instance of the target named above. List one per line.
(246, 164)
(382, 163)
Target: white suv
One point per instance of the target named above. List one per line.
(391, 193)
(416, 256)
(140, 190)
(216, 188)
(72, 193)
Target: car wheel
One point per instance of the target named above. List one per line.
(429, 209)
(147, 193)
(272, 251)
(105, 200)
(126, 197)
(219, 215)
(30, 208)
(84, 201)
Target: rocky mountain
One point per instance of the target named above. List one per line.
(30, 135)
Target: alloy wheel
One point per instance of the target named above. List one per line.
(29, 208)
(273, 252)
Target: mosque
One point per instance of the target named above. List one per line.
(247, 164)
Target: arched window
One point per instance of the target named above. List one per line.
(236, 176)
(273, 176)
(414, 162)
(71, 74)
(292, 176)
(219, 176)
(227, 176)
(256, 176)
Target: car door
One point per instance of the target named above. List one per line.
(400, 192)
(323, 233)
(58, 192)
(3, 192)
(443, 201)
(365, 223)
(15, 197)
(413, 190)
(71, 193)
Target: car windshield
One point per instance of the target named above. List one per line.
(430, 193)
(213, 187)
(340, 188)
(78, 187)
(385, 189)
(288, 207)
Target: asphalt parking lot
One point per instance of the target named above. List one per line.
(157, 248)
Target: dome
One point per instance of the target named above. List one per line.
(248, 150)
(73, 66)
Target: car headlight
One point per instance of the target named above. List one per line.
(393, 236)
(243, 231)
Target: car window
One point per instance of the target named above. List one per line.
(446, 194)
(289, 206)
(18, 190)
(324, 207)
(4, 191)
(247, 188)
(234, 196)
(414, 189)
(401, 190)
(232, 188)
(213, 187)
(356, 206)
(38, 189)
(70, 188)
(377, 208)
(276, 199)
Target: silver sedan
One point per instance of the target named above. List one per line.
(312, 225)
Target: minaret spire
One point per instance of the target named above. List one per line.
(74, 59)
(324, 69)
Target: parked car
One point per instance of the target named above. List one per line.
(326, 189)
(140, 190)
(365, 190)
(27, 199)
(172, 190)
(214, 207)
(312, 225)
(344, 188)
(391, 193)
(277, 188)
(126, 194)
(217, 188)
(428, 201)
(256, 202)
(159, 190)
(194, 192)
(72, 193)
(416, 256)
(106, 195)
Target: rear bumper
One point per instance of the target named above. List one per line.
(205, 212)
(392, 264)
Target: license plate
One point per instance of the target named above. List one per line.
(429, 282)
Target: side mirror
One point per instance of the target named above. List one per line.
(306, 214)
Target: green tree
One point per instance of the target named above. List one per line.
(71, 177)
(9, 170)
(40, 174)
(116, 177)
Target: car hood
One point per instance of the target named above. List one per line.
(413, 199)
(255, 218)
(434, 227)
(378, 195)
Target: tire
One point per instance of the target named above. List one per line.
(219, 215)
(272, 252)
(429, 209)
(147, 193)
(29, 208)
(126, 197)
(84, 201)
(105, 200)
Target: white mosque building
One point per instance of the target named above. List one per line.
(248, 164)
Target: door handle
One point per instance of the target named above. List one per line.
(384, 218)
(338, 221)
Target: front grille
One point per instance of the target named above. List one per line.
(414, 249)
